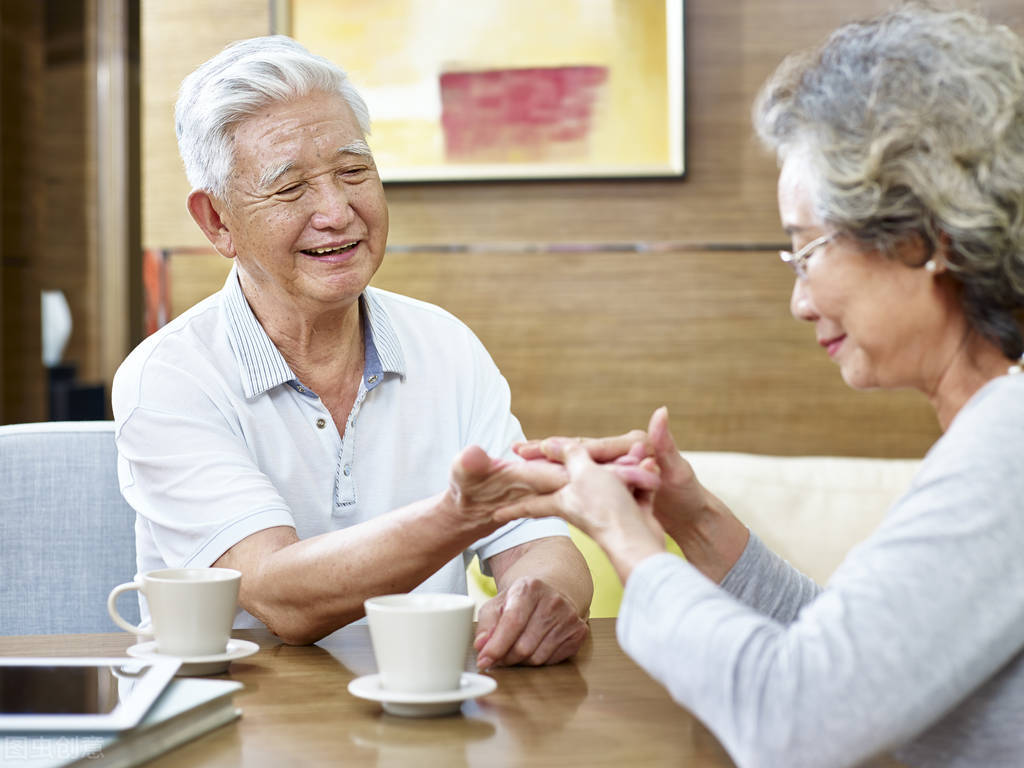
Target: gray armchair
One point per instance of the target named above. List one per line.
(67, 536)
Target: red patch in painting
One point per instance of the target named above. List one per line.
(519, 114)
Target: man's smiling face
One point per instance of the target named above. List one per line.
(305, 213)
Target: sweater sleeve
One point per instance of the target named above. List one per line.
(768, 584)
(912, 623)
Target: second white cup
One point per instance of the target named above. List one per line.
(420, 641)
(191, 609)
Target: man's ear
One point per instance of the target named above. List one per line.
(205, 211)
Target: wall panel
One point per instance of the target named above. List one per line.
(21, 203)
(69, 175)
(49, 175)
(177, 36)
(592, 343)
(592, 340)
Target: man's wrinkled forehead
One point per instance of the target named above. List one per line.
(272, 175)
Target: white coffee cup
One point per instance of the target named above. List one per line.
(420, 641)
(191, 609)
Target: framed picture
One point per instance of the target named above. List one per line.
(508, 89)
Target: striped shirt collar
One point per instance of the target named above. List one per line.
(263, 367)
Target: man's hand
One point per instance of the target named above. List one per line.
(544, 585)
(531, 623)
(539, 614)
(480, 485)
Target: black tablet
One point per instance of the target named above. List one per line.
(79, 694)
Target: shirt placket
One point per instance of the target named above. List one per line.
(345, 491)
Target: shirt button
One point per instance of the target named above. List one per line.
(347, 470)
(321, 423)
(372, 379)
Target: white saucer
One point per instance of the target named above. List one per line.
(471, 685)
(199, 665)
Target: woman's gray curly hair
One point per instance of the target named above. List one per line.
(913, 123)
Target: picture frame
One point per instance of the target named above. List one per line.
(509, 89)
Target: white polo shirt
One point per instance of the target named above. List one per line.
(217, 439)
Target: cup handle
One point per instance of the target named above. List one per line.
(112, 607)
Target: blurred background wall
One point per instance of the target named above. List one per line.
(70, 194)
(599, 300)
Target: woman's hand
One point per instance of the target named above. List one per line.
(601, 449)
(611, 503)
(681, 498)
(704, 528)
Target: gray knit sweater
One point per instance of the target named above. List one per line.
(913, 648)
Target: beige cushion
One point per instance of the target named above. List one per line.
(809, 509)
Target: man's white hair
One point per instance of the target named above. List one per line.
(233, 86)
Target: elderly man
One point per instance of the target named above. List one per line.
(300, 426)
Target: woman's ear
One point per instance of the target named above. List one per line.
(205, 211)
(940, 256)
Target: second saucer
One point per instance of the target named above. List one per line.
(471, 685)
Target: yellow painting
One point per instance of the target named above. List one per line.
(507, 89)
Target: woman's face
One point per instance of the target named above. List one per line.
(879, 319)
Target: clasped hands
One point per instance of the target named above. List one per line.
(625, 492)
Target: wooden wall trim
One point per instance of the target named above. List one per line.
(118, 285)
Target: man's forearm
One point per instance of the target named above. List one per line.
(305, 589)
(554, 560)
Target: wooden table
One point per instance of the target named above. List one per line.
(598, 709)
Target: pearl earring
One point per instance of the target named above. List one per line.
(931, 266)
(1017, 367)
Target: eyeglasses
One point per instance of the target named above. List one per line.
(798, 260)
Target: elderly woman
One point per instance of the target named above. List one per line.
(901, 144)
